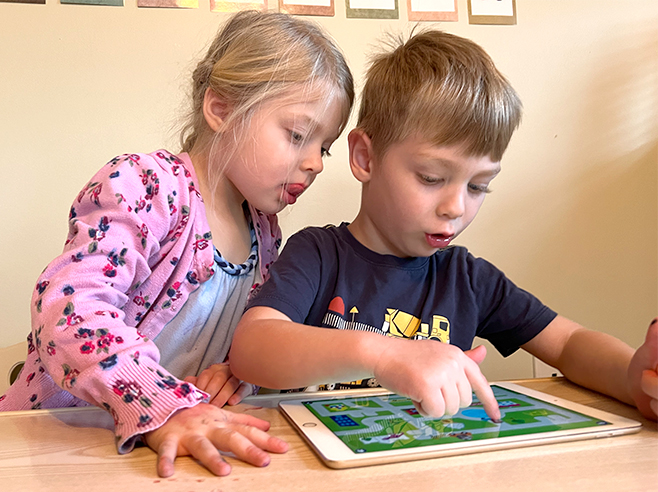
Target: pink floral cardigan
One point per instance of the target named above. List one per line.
(138, 245)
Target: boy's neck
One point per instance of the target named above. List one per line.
(365, 231)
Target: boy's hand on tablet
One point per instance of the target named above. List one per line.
(438, 377)
(204, 430)
(643, 374)
(222, 386)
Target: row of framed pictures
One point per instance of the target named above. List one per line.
(479, 11)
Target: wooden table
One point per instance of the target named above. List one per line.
(73, 450)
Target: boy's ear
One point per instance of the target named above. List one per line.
(215, 110)
(361, 154)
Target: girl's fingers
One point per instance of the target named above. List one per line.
(244, 419)
(262, 439)
(212, 380)
(225, 392)
(244, 390)
(201, 448)
(234, 441)
(167, 452)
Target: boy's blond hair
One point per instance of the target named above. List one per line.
(444, 88)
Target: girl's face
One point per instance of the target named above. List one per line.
(282, 151)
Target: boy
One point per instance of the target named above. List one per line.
(435, 120)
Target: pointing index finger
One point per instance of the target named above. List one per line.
(484, 393)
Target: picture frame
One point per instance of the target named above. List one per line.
(500, 12)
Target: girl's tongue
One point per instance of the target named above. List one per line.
(291, 192)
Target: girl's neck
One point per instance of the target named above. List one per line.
(225, 213)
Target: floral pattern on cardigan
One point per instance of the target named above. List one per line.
(138, 244)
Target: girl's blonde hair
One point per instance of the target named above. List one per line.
(258, 57)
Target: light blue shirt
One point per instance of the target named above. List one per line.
(200, 334)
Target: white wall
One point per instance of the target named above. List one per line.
(573, 217)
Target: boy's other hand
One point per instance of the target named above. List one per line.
(202, 430)
(643, 374)
(438, 377)
(222, 386)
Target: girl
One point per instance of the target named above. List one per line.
(163, 250)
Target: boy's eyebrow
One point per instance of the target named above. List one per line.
(493, 171)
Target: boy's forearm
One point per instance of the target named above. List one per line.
(597, 361)
(589, 358)
(280, 354)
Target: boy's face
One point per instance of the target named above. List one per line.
(418, 197)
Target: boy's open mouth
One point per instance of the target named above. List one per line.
(438, 241)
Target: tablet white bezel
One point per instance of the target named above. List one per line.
(336, 454)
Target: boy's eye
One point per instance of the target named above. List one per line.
(430, 180)
(477, 189)
(325, 152)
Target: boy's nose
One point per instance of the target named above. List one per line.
(452, 203)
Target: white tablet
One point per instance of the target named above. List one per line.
(381, 427)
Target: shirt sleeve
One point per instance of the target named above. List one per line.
(509, 315)
(117, 225)
(294, 278)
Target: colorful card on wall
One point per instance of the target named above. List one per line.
(432, 10)
(42, 2)
(308, 7)
(169, 4)
(492, 12)
(237, 5)
(111, 3)
(372, 9)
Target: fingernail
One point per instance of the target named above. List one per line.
(497, 421)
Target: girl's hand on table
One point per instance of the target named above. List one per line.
(204, 430)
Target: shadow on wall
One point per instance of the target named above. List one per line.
(605, 247)
(584, 204)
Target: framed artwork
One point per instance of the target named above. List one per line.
(169, 4)
(492, 12)
(308, 7)
(237, 5)
(372, 9)
(41, 2)
(113, 3)
(432, 10)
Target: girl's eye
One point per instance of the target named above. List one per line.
(295, 137)
(325, 152)
(477, 189)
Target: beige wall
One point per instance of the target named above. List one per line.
(573, 217)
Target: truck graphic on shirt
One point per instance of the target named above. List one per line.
(403, 325)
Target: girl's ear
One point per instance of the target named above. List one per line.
(361, 154)
(215, 110)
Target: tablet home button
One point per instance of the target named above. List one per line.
(309, 424)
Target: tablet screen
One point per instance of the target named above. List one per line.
(380, 423)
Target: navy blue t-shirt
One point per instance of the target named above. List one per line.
(325, 277)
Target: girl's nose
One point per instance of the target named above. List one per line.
(313, 163)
